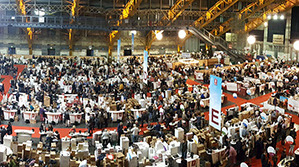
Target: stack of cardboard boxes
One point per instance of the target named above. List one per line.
(116, 160)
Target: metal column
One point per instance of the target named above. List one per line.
(288, 34)
(265, 39)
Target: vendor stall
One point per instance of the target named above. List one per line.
(53, 117)
(138, 112)
(30, 115)
(9, 114)
(75, 117)
(117, 115)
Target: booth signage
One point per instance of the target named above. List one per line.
(215, 102)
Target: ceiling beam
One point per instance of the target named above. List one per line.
(29, 31)
(243, 14)
(285, 6)
(129, 10)
(174, 12)
(220, 7)
(75, 7)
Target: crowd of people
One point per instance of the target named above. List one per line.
(91, 78)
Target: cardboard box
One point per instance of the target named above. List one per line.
(53, 145)
(147, 139)
(33, 121)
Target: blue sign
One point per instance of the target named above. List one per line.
(145, 60)
(283, 99)
(215, 102)
(145, 57)
(132, 43)
(118, 50)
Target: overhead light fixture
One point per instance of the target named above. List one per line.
(159, 35)
(182, 34)
(275, 17)
(134, 32)
(251, 39)
(39, 12)
(282, 17)
(296, 45)
(266, 24)
(269, 17)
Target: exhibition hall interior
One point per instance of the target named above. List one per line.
(149, 83)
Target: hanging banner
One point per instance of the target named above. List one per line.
(132, 43)
(118, 50)
(215, 102)
(145, 60)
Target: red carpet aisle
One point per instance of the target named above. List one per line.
(7, 78)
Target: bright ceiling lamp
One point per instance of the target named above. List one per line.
(159, 35)
(296, 45)
(275, 17)
(282, 17)
(251, 39)
(134, 32)
(266, 24)
(182, 34)
(269, 17)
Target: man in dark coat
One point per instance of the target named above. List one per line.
(9, 129)
(2, 133)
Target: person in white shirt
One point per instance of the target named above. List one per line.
(135, 132)
(105, 138)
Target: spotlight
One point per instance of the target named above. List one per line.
(266, 24)
(269, 17)
(251, 39)
(275, 17)
(296, 45)
(134, 32)
(159, 36)
(182, 34)
(282, 17)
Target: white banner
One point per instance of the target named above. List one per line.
(215, 102)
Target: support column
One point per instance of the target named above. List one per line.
(288, 34)
(241, 41)
(265, 40)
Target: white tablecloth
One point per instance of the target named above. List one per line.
(53, 116)
(198, 75)
(230, 86)
(9, 114)
(28, 115)
(138, 112)
(293, 105)
(117, 115)
(75, 117)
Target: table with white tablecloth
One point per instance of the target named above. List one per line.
(117, 115)
(293, 104)
(9, 114)
(198, 75)
(75, 117)
(24, 135)
(272, 107)
(138, 112)
(231, 86)
(53, 116)
(29, 115)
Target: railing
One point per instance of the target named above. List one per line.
(218, 41)
(91, 23)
